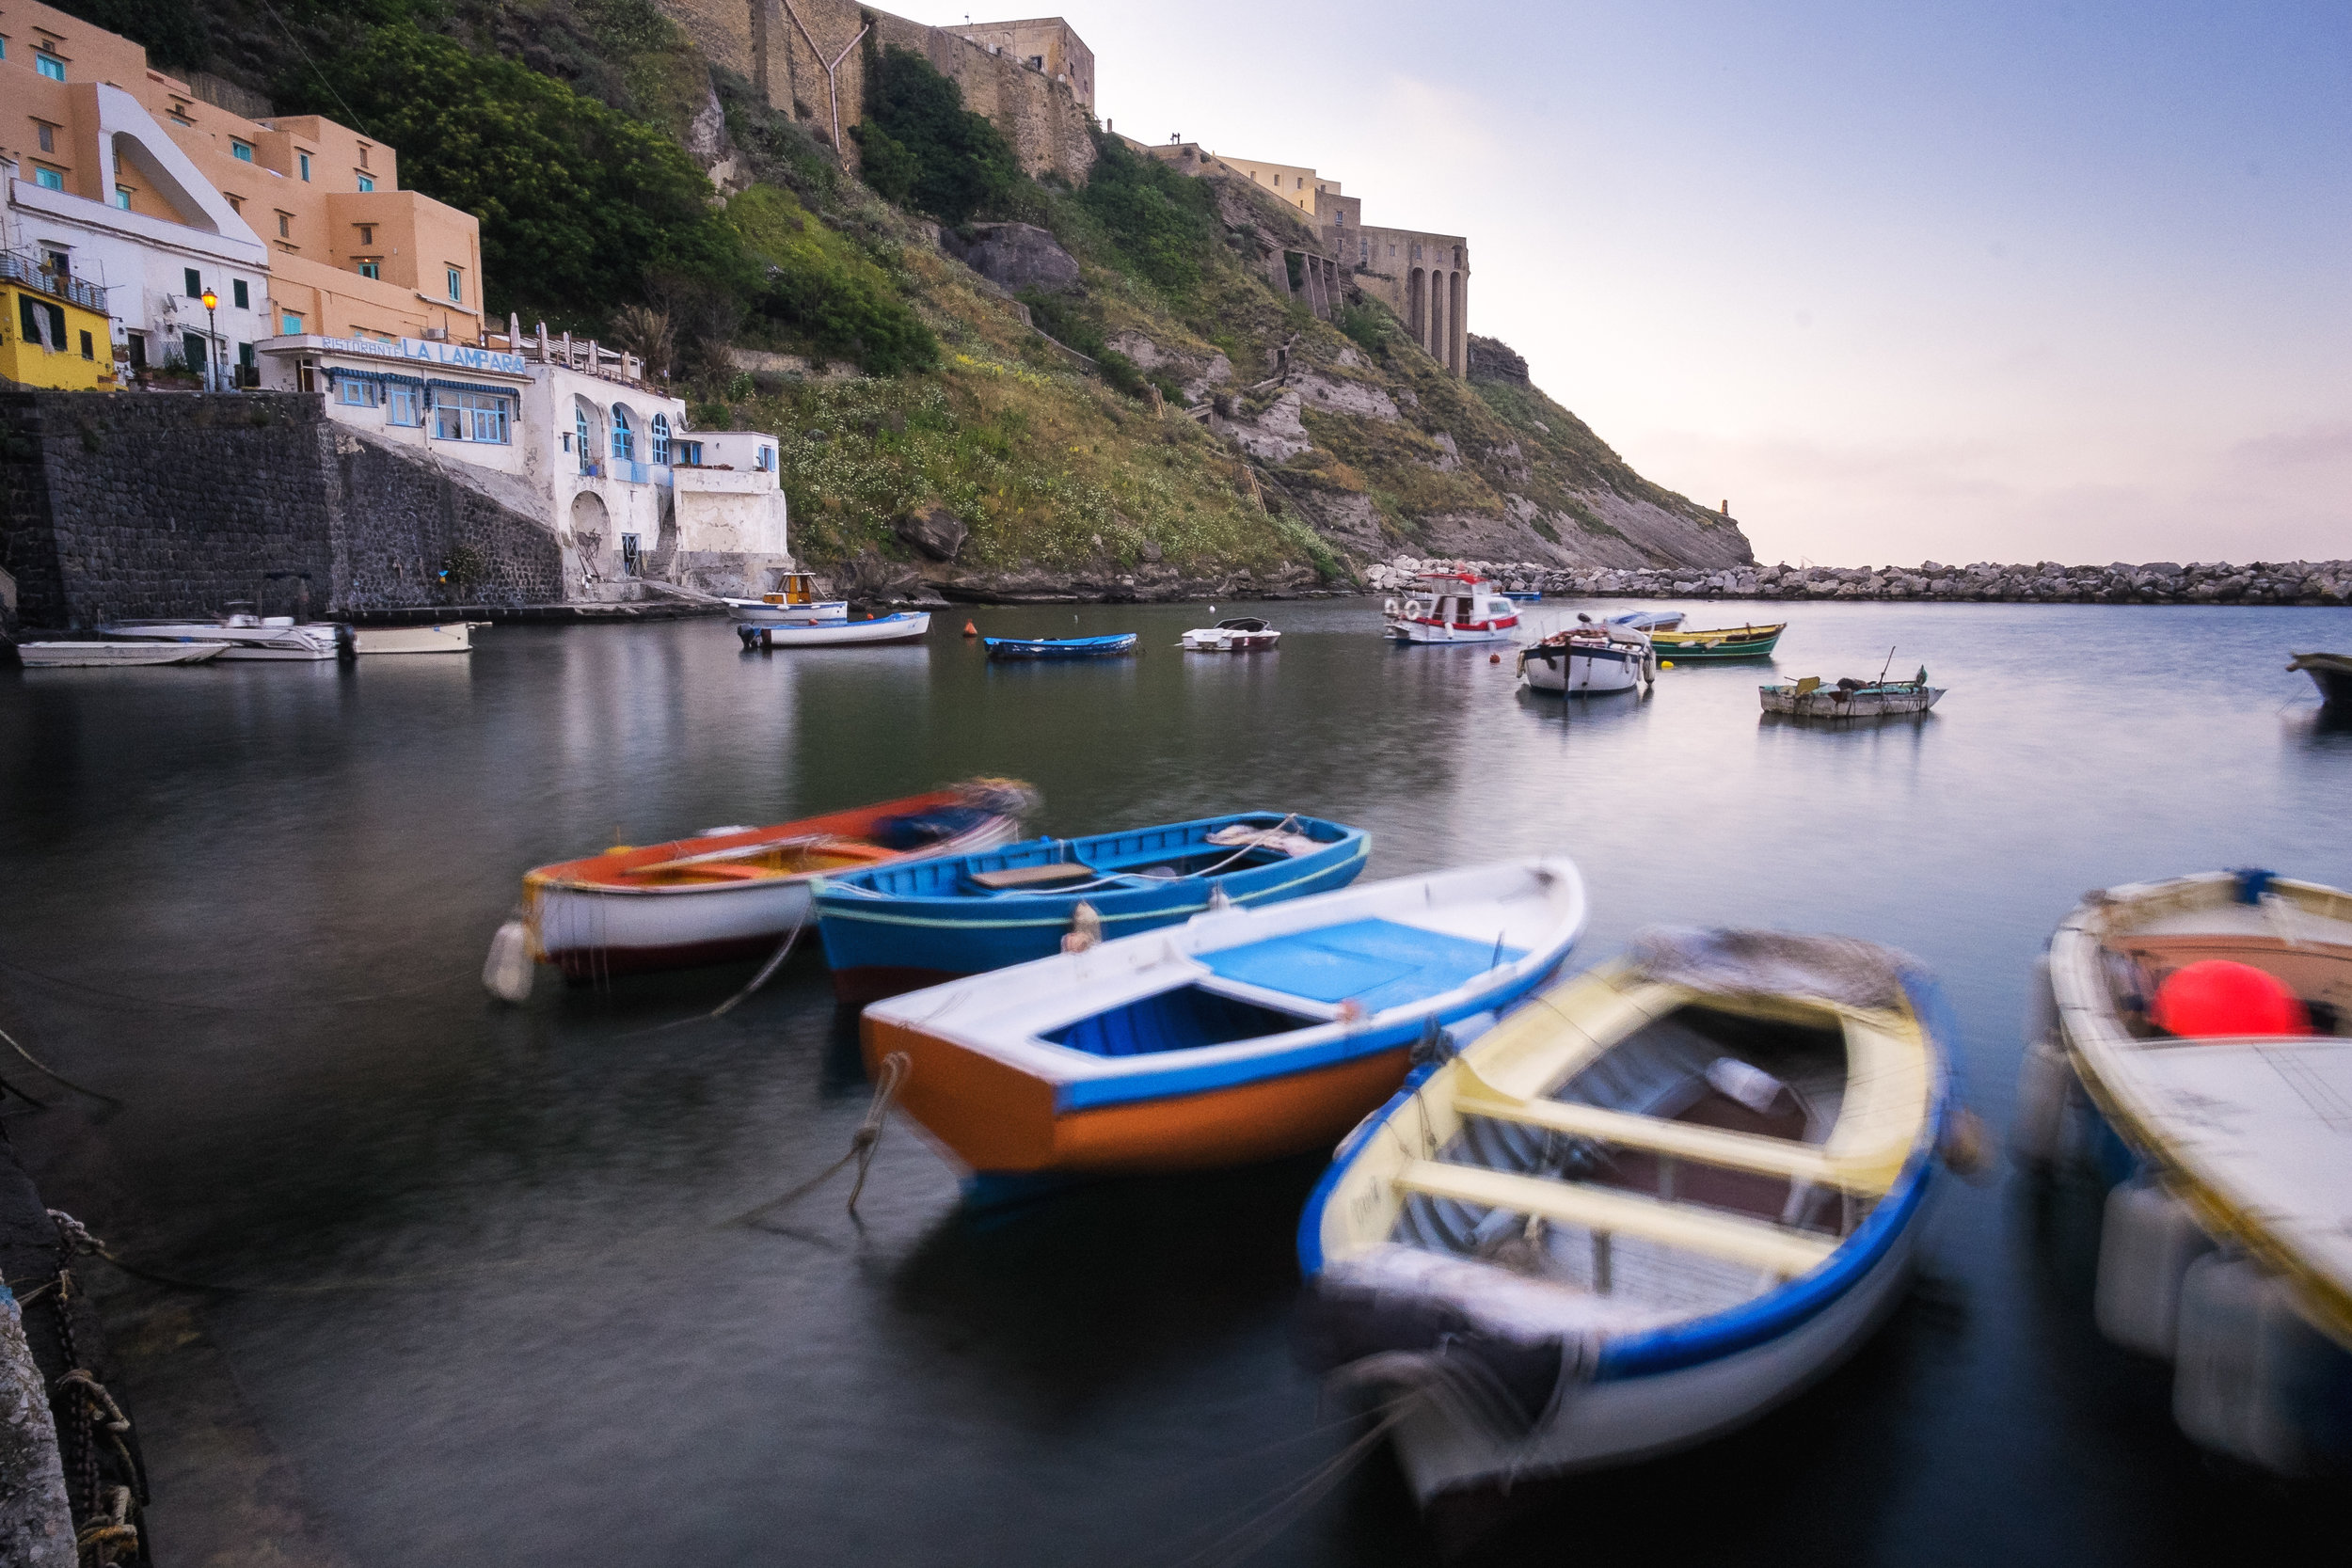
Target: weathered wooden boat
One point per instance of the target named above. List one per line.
(1060, 647)
(2190, 1041)
(1723, 643)
(892, 929)
(1451, 607)
(243, 636)
(1851, 698)
(1640, 1212)
(447, 637)
(61, 655)
(2332, 675)
(1648, 619)
(793, 603)
(1591, 658)
(1242, 1035)
(1242, 634)
(903, 626)
(735, 892)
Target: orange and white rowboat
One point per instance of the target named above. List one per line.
(735, 892)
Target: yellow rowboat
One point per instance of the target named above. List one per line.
(2226, 1243)
(1644, 1208)
(1723, 643)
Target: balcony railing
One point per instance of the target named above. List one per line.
(17, 268)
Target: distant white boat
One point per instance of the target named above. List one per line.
(1451, 607)
(794, 603)
(905, 626)
(1648, 619)
(450, 637)
(59, 656)
(1243, 634)
(242, 636)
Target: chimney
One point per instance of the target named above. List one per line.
(1727, 509)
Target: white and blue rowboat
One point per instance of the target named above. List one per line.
(904, 627)
(1059, 647)
(1644, 1209)
(1591, 658)
(794, 603)
(1242, 1035)
(900, 927)
(1648, 620)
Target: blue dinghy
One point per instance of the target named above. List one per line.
(896, 927)
(1060, 647)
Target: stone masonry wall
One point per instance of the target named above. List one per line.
(143, 504)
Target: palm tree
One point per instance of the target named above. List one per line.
(646, 333)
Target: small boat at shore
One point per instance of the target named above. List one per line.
(1851, 698)
(730, 892)
(793, 603)
(892, 929)
(1590, 659)
(1451, 607)
(107, 655)
(2191, 1040)
(1242, 1035)
(1648, 619)
(1059, 647)
(1720, 643)
(903, 626)
(243, 636)
(1638, 1213)
(2332, 675)
(1242, 634)
(447, 637)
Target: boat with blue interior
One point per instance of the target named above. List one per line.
(1242, 1035)
(894, 928)
(1059, 647)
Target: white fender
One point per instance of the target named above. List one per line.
(508, 972)
(2147, 1242)
(2255, 1380)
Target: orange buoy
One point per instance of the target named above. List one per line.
(2217, 997)
(970, 630)
(1494, 658)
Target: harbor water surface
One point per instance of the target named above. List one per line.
(503, 1316)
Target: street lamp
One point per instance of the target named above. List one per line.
(212, 333)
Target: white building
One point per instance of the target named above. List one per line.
(571, 434)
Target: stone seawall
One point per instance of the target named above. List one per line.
(2304, 582)
(152, 504)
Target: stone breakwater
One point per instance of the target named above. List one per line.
(2303, 582)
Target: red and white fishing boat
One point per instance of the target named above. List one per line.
(1451, 607)
(728, 892)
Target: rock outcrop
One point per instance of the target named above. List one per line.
(1491, 359)
(1013, 256)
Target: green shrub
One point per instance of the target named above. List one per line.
(1367, 324)
(820, 288)
(1161, 224)
(923, 148)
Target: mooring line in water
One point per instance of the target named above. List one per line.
(1254, 1534)
(767, 970)
(52, 1072)
(896, 1070)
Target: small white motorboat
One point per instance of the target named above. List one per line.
(1589, 659)
(1811, 698)
(243, 636)
(907, 625)
(1640, 1212)
(449, 637)
(2190, 1042)
(1243, 634)
(793, 603)
(1648, 619)
(60, 655)
(1451, 607)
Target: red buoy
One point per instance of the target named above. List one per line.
(970, 630)
(2215, 997)
(1494, 658)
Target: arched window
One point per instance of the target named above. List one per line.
(586, 441)
(660, 439)
(623, 439)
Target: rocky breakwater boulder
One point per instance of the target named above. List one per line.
(2302, 582)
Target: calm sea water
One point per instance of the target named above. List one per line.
(274, 886)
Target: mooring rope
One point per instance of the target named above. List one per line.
(1255, 1533)
(766, 972)
(896, 1070)
(52, 1072)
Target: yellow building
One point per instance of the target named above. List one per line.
(53, 330)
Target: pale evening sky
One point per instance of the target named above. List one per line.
(1991, 281)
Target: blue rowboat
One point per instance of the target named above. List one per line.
(1639, 1212)
(1059, 647)
(1524, 596)
(929, 921)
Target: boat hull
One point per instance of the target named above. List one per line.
(2332, 675)
(1582, 671)
(111, 655)
(1732, 642)
(1230, 643)
(874, 944)
(303, 643)
(1435, 632)
(1059, 648)
(903, 627)
(1825, 702)
(761, 613)
(455, 636)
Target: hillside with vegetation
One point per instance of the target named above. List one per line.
(1160, 421)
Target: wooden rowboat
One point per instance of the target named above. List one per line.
(1644, 1209)
(1723, 643)
(1059, 647)
(1812, 698)
(1243, 1035)
(2332, 675)
(61, 655)
(903, 626)
(735, 892)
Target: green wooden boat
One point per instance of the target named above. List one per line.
(1726, 642)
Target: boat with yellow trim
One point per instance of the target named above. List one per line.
(1648, 1205)
(1242, 1035)
(2226, 1138)
(1723, 643)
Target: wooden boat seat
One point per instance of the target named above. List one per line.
(1034, 876)
(1758, 1244)
(1707, 1146)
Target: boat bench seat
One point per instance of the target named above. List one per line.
(1707, 1146)
(1775, 1248)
